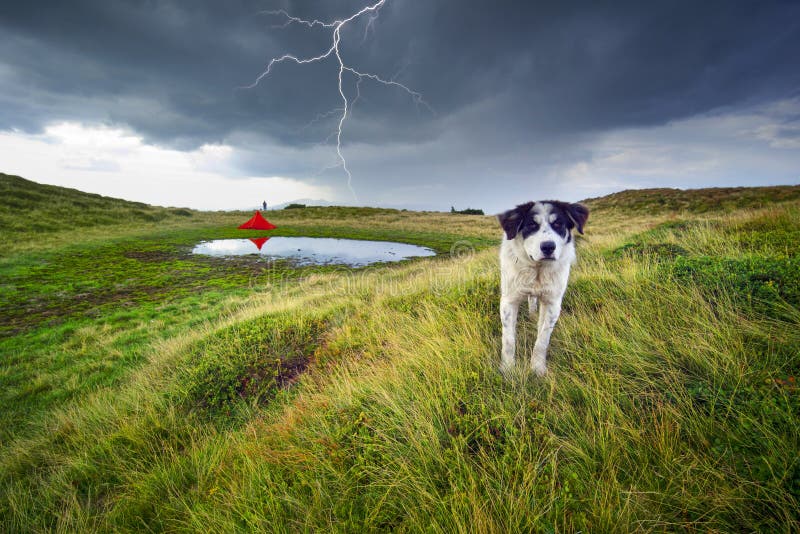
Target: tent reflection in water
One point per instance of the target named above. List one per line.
(257, 222)
(259, 241)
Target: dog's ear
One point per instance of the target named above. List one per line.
(512, 220)
(578, 214)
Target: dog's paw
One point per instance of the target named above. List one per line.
(506, 369)
(539, 368)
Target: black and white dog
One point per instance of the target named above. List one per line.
(535, 257)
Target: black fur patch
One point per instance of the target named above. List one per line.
(576, 215)
(561, 224)
(529, 225)
(513, 220)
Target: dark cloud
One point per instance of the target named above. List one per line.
(569, 66)
(512, 83)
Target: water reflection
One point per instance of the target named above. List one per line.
(259, 241)
(314, 250)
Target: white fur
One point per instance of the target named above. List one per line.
(525, 274)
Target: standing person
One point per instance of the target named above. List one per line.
(265, 205)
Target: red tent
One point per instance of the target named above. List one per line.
(259, 241)
(257, 222)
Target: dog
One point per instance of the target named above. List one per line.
(536, 254)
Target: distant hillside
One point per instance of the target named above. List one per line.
(695, 200)
(29, 206)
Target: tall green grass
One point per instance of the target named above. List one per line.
(370, 400)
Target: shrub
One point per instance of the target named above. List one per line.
(181, 212)
(468, 211)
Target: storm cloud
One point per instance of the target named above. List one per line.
(521, 92)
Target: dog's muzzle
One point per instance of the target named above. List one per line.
(548, 247)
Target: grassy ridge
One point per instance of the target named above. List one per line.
(369, 400)
(29, 206)
(694, 200)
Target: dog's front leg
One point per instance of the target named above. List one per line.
(508, 317)
(549, 310)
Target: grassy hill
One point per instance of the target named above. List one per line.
(30, 206)
(694, 200)
(147, 389)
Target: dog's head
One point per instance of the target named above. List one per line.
(545, 227)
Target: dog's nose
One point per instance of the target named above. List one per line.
(548, 247)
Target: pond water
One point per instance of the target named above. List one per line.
(314, 250)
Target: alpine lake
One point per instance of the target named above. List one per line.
(305, 251)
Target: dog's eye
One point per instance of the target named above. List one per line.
(557, 225)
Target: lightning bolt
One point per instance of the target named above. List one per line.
(336, 26)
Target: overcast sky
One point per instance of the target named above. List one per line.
(149, 100)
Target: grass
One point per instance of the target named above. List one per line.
(369, 400)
